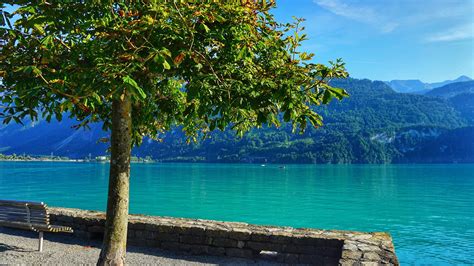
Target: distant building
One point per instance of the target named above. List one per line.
(102, 158)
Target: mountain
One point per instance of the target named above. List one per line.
(375, 125)
(460, 95)
(59, 138)
(409, 86)
(416, 86)
(464, 104)
(453, 89)
(446, 82)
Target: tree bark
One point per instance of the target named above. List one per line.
(115, 237)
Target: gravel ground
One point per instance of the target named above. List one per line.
(20, 247)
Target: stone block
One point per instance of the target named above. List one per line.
(289, 258)
(371, 256)
(225, 242)
(329, 252)
(259, 237)
(135, 242)
(94, 222)
(299, 249)
(216, 251)
(96, 229)
(78, 220)
(66, 219)
(170, 245)
(199, 249)
(240, 234)
(216, 233)
(153, 243)
(150, 235)
(351, 254)
(152, 227)
(239, 252)
(81, 227)
(192, 239)
(137, 226)
(167, 237)
(331, 261)
(140, 234)
(311, 259)
(166, 229)
(259, 246)
(81, 234)
(195, 230)
(348, 262)
(369, 263)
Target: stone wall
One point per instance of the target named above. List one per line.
(282, 244)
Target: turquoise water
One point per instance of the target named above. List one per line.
(428, 209)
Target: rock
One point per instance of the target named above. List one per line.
(238, 252)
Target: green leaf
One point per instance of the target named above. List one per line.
(166, 52)
(338, 93)
(205, 27)
(39, 28)
(48, 41)
(166, 65)
(327, 96)
(97, 97)
(133, 85)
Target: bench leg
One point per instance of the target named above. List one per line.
(40, 244)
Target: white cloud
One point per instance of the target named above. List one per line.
(462, 32)
(387, 16)
(357, 12)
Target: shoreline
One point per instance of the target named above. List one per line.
(240, 163)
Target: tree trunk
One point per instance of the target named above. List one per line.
(115, 237)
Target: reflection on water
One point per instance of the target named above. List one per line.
(427, 208)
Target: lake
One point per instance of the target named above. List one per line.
(428, 209)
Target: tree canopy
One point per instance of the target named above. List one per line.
(141, 67)
(199, 65)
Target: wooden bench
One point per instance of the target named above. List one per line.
(28, 215)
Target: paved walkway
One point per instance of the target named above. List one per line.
(19, 247)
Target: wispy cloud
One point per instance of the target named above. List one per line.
(357, 12)
(387, 16)
(458, 33)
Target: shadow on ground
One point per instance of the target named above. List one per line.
(69, 239)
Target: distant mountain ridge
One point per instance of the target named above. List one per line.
(416, 86)
(453, 89)
(374, 125)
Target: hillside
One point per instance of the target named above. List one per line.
(453, 89)
(374, 125)
(418, 87)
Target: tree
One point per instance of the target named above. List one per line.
(142, 67)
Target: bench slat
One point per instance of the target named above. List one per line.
(17, 225)
(36, 206)
(24, 212)
(21, 202)
(24, 219)
(21, 209)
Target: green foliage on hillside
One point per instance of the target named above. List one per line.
(374, 125)
(453, 89)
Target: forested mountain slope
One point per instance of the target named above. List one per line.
(374, 125)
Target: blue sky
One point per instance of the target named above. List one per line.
(430, 40)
